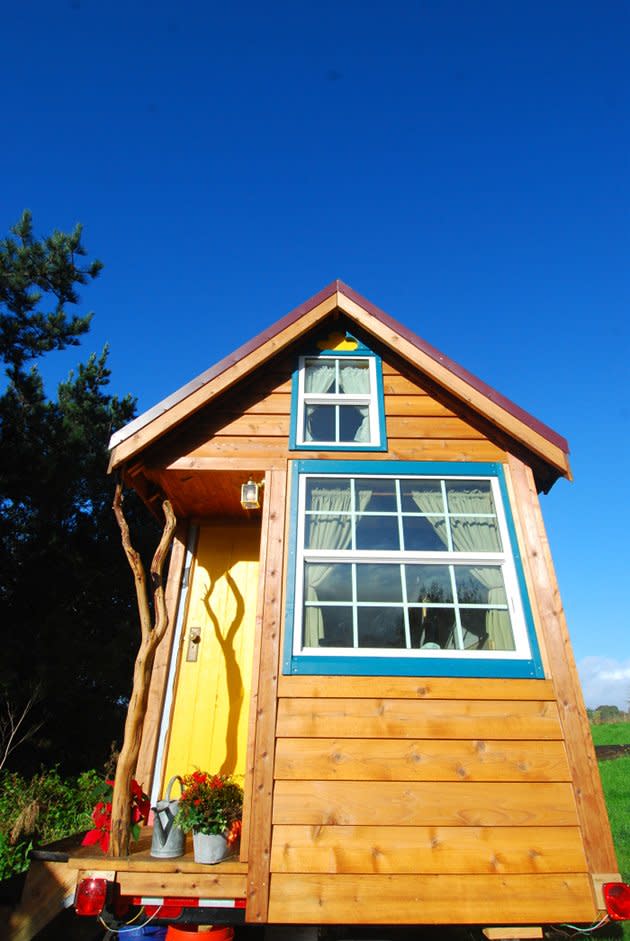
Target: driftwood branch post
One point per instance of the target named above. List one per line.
(152, 631)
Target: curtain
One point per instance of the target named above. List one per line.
(355, 379)
(473, 535)
(319, 378)
(327, 532)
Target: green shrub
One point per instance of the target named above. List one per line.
(41, 809)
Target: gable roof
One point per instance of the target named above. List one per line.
(496, 408)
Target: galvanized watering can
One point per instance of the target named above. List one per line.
(168, 840)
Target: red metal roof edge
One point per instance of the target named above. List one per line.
(213, 371)
(274, 329)
(552, 436)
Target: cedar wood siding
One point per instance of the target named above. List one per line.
(362, 790)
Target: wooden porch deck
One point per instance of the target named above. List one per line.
(139, 873)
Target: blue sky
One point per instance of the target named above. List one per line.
(463, 165)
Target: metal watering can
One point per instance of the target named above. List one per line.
(168, 840)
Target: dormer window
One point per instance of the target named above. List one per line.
(339, 402)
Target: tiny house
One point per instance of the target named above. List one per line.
(371, 635)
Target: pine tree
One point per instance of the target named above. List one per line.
(66, 603)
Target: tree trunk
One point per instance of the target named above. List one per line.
(152, 633)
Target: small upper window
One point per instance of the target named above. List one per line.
(339, 402)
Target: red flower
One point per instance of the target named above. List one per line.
(102, 817)
(234, 832)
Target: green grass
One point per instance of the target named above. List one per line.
(611, 733)
(615, 775)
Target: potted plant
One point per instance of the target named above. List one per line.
(211, 806)
(100, 834)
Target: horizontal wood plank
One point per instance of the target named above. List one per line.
(406, 718)
(444, 899)
(413, 427)
(403, 449)
(397, 384)
(360, 759)
(413, 687)
(207, 884)
(462, 850)
(278, 402)
(428, 803)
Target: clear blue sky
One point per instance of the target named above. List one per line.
(463, 165)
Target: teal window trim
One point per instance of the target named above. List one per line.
(374, 665)
(362, 352)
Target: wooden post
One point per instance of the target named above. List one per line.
(152, 630)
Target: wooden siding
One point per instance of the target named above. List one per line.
(417, 899)
(264, 700)
(436, 800)
(254, 424)
(547, 604)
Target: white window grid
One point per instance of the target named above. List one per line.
(448, 558)
(367, 400)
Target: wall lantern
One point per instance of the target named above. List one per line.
(250, 494)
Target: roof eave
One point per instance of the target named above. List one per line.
(142, 431)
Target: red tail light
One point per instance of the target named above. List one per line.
(617, 898)
(91, 896)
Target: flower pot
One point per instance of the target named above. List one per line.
(210, 847)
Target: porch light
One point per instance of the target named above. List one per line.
(250, 494)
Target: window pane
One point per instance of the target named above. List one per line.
(351, 426)
(331, 582)
(377, 532)
(430, 583)
(381, 627)
(422, 496)
(480, 585)
(379, 583)
(328, 627)
(432, 627)
(383, 492)
(322, 493)
(354, 376)
(328, 531)
(319, 423)
(319, 377)
(424, 535)
(469, 496)
(475, 534)
(491, 628)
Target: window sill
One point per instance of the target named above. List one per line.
(416, 666)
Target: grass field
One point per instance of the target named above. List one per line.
(615, 775)
(613, 733)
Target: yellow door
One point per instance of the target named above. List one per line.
(211, 703)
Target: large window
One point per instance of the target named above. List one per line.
(413, 566)
(339, 402)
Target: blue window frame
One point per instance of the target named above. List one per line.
(337, 400)
(405, 568)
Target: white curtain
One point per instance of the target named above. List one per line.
(472, 535)
(327, 532)
(318, 378)
(355, 379)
